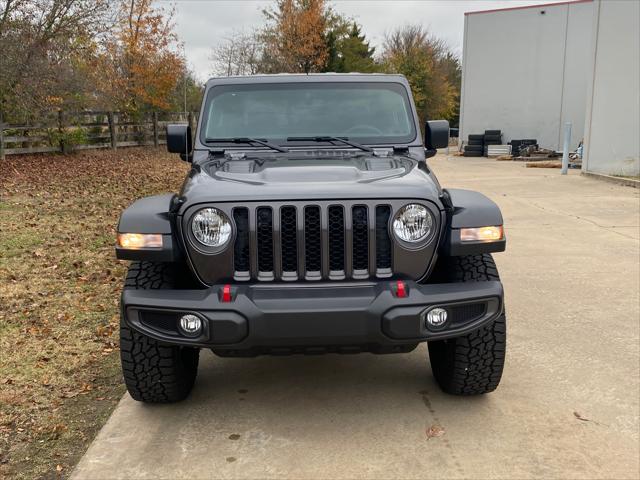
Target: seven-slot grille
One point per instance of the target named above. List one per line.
(312, 242)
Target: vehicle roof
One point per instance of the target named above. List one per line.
(312, 77)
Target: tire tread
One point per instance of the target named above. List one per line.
(154, 372)
(471, 364)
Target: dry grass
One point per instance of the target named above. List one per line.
(59, 293)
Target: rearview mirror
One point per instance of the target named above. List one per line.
(179, 140)
(436, 134)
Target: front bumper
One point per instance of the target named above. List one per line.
(301, 317)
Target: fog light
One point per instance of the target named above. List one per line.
(191, 325)
(436, 318)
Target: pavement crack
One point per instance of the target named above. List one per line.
(608, 228)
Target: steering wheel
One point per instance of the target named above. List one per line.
(364, 129)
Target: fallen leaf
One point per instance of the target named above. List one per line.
(86, 388)
(59, 428)
(434, 431)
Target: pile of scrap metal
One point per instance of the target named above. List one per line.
(518, 145)
(534, 156)
(533, 152)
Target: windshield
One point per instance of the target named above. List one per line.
(373, 113)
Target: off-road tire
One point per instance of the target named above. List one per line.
(473, 148)
(155, 372)
(471, 364)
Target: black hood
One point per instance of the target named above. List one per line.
(307, 177)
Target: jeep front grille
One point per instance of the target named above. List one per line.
(312, 242)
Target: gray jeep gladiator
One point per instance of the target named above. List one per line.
(310, 222)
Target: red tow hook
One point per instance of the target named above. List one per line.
(401, 289)
(226, 294)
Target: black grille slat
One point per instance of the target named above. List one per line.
(312, 239)
(241, 247)
(383, 241)
(336, 238)
(264, 227)
(360, 238)
(289, 241)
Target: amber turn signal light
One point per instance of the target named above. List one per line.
(482, 234)
(136, 241)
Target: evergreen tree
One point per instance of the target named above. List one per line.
(348, 51)
(357, 55)
(333, 55)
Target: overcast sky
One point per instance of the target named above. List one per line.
(201, 24)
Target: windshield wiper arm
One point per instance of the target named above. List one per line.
(344, 140)
(247, 140)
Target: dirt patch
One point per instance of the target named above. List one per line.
(59, 370)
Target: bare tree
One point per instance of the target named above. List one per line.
(238, 54)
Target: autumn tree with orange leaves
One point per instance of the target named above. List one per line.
(140, 67)
(294, 38)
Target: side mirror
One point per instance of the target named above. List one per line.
(436, 135)
(179, 140)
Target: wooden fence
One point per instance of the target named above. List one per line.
(68, 131)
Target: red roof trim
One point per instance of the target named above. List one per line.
(542, 5)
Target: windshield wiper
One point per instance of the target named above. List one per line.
(344, 140)
(247, 140)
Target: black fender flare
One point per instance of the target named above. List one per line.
(150, 215)
(469, 209)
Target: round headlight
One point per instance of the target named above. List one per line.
(412, 223)
(211, 227)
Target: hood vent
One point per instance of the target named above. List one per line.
(380, 164)
(239, 166)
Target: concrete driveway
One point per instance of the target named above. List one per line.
(567, 407)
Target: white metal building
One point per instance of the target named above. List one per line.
(612, 128)
(525, 71)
